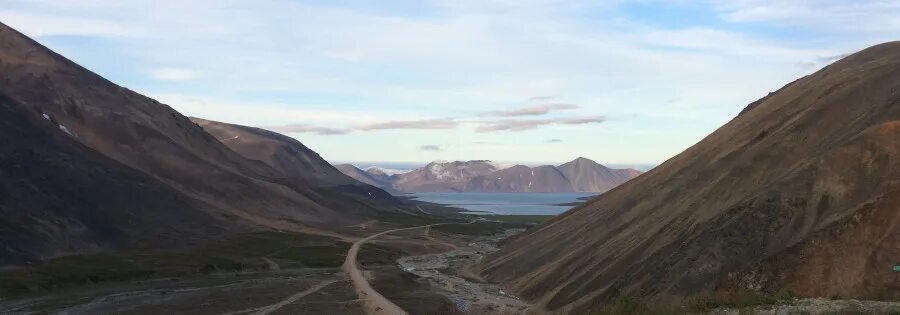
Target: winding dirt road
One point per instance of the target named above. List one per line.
(373, 302)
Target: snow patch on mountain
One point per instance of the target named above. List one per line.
(387, 171)
(66, 130)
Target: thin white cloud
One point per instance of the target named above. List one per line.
(303, 128)
(534, 110)
(522, 125)
(430, 147)
(447, 123)
(458, 57)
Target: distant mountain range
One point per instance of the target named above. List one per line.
(579, 175)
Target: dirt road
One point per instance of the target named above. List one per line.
(293, 298)
(374, 302)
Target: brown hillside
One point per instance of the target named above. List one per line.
(798, 192)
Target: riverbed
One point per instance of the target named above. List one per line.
(446, 271)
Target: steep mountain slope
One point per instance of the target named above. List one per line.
(442, 176)
(289, 157)
(521, 178)
(799, 192)
(587, 175)
(154, 139)
(59, 197)
(381, 180)
(283, 153)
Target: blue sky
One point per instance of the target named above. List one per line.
(412, 81)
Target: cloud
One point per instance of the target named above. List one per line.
(387, 125)
(554, 141)
(520, 125)
(173, 74)
(346, 64)
(535, 110)
(437, 123)
(430, 147)
(304, 128)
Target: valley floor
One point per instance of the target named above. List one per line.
(272, 273)
(308, 291)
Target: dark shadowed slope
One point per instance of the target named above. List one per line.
(157, 141)
(59, 197)
(146, 135)
(289, 157)
(285, 154)
(800, 192)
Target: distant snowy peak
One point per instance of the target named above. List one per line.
(459, 170)
(386, 171)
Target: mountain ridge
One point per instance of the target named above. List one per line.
(192, 179)
(579, 175)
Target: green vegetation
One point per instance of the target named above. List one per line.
(233, 254)
(407, 220)
(413, 296)
(477, 228)
(373, 254)
(492, 224)
(521, 219)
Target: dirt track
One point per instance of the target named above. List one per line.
(373, 302)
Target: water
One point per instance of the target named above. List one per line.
(505, 203)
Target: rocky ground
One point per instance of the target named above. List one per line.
(447, 271)
(819, 306)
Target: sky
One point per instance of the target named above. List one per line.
(506, 80)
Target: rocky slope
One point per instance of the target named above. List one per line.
(442, 176)
(800, 192)
(139, 133)
(521, 178)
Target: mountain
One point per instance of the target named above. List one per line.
(370, 176)
(59, 197)
(288, 156)
(521, 178)
(190, 172)
(799, 192)
(587, 175)
(442, 176)
(283, 153)
(579, 175)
